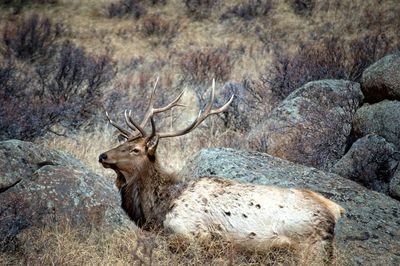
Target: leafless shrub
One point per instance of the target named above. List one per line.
(302, 7)
(29, 38)
(27, 2)
(124, 8)
(18, 5)
(154, 25)
(312, 62)
(330, 58)
(158, 2)
(321, 146)
(204, 65)
(249, 9)
(73, 74)
(364, 51)
(200, 9)
(66, 90)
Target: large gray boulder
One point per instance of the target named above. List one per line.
(394, 188)
(371, 161)
(382, 119)
(381, 80)
(39, 187)
(369, 232)
(312, 125)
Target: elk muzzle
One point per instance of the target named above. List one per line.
(102, 157)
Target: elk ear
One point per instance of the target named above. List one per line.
(152, 147)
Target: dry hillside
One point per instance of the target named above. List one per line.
(64, 62)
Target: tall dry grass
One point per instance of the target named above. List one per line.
(86, 145)
(64, 244)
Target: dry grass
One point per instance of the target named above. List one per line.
(250, 43)
(86, 146)
(63, 244)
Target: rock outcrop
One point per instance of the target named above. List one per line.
(39, 186)
(371, 161)
(394, 188)
(370, 230)
(312, 125)
(381, 80)
(382, 119)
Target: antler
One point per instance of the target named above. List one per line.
(151, 111)
(201, 116)
(138, 130)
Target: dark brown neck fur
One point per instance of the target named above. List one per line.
(148, 194)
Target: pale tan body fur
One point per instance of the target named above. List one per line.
(252, 215)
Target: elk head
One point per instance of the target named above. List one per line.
(139, 151)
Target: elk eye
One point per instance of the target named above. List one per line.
(135, 151)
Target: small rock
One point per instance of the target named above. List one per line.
(381, 80)
(395, 184)
(371, 161)
(381, 119)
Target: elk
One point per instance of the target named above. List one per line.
(249, 215)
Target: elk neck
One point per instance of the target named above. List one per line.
(149, 193)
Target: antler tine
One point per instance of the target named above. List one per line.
(132, 124)
(151, 110)
(216, 111)
(180, 132)
(153, 128)
(151, 104)
(124, 132)
(208, 107)
(200, 117)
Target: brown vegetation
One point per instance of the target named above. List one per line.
(64, 244)
(249, 10)
(126, 8)
(329, 58)
(200, 9)
(30, 38)
(64, 81)
(200, 66)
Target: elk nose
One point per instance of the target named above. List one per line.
(102, 157)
